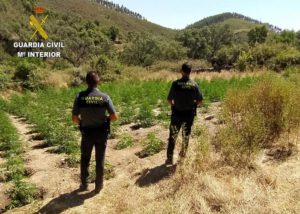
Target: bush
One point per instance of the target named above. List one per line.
(30, 73)
(286, 58)
(244, 61)
(23, 70)
(107, 68)
(5, 79)
(256, 118)
(171, 50)
(264, 52)
(112, 33)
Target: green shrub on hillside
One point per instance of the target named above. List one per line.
(286, 58)
(244, 61)
(262, 53)
(5, 78)
(29, 4)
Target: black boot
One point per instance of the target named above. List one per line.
(98, 188)
(169, 161)
(83, 187)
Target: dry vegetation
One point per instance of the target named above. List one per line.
(203, 185)
(241, 173)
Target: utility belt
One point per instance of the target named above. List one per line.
(104, 128)
(185, 113)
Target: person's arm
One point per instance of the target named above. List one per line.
(199, 96)
(111, 111)
(75, 119)
(171, 94)
(76, 112)
(113, 117)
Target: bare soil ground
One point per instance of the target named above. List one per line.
(45, 167)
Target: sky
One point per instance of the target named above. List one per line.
(177, 14)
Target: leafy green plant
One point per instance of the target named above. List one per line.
(145, 118)
(125, 142)
(23, 193)
(152, 145)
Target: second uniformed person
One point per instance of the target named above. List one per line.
(184, 97)
(90, 112)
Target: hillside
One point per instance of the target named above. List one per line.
(93, 11)
(237, 22)
(86, 27)
(16, 12)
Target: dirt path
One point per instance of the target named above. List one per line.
(62, 197)
(44, 168)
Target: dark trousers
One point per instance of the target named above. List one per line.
(91, 138)
(184, 121)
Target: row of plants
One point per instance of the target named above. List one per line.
(141, 103)
(12, 149)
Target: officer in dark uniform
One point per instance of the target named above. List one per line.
(184, 97)
(90, 113)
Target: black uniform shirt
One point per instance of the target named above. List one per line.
(185, 93)
(92, 106)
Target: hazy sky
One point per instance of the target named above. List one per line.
(180, 13)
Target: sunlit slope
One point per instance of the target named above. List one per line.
(106, 17)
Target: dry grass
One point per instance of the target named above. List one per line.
(58, 80)
(165, 74)
(257, 118)
(271, 188)
(204, 183)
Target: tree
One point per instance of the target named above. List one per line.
(143, 51)
(205, 42)
(288, 37)
(227, 56)
(172, 50)
(257, 35)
